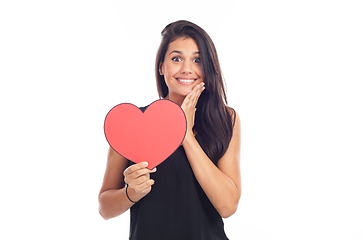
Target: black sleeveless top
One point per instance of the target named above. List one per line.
(176, 208)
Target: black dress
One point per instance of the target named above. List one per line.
(176, 208)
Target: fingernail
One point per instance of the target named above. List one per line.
(145, 164)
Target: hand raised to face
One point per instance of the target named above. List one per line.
(189, 104)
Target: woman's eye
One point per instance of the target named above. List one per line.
(176, 59)
(196, 60)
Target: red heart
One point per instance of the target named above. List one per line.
(151, 136)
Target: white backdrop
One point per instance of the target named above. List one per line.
(294, 74)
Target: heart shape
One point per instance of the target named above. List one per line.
(151, 136)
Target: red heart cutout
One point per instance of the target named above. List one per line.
(151, 136)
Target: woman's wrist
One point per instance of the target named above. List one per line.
(189, 137)
(132, 195)
(127, 195)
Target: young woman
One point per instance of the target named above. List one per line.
(199, 184)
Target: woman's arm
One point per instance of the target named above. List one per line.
(112, 198)
(221, 183)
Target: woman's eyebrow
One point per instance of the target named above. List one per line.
(179, 52)
(175, 51)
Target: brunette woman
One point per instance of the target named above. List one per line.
(200, 183)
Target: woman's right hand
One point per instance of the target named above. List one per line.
(137, 176)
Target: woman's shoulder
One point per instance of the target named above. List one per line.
(233, 114)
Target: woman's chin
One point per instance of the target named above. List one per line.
(184, 92)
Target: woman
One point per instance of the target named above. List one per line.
(199, 184)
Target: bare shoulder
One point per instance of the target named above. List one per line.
(236, 138)
(234, 116)
(233, 152)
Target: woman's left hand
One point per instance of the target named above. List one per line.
(189, 105)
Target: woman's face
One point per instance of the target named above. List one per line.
(181, 67)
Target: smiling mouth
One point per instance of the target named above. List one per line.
(186, 81)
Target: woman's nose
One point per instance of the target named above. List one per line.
(187, 67)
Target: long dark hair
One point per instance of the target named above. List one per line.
(213, 119)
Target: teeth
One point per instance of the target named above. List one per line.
(186, 80)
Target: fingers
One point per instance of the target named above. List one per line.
(198, 91)
(136, 167)
(144, 187)
(192, 98)
(137, 177)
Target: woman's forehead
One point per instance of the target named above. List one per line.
(183, 45)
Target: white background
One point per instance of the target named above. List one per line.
(294, 72)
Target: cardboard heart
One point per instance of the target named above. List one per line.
(151, 136)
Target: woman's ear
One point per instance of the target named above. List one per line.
(161, 69)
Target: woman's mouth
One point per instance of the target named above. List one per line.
(187, 81)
